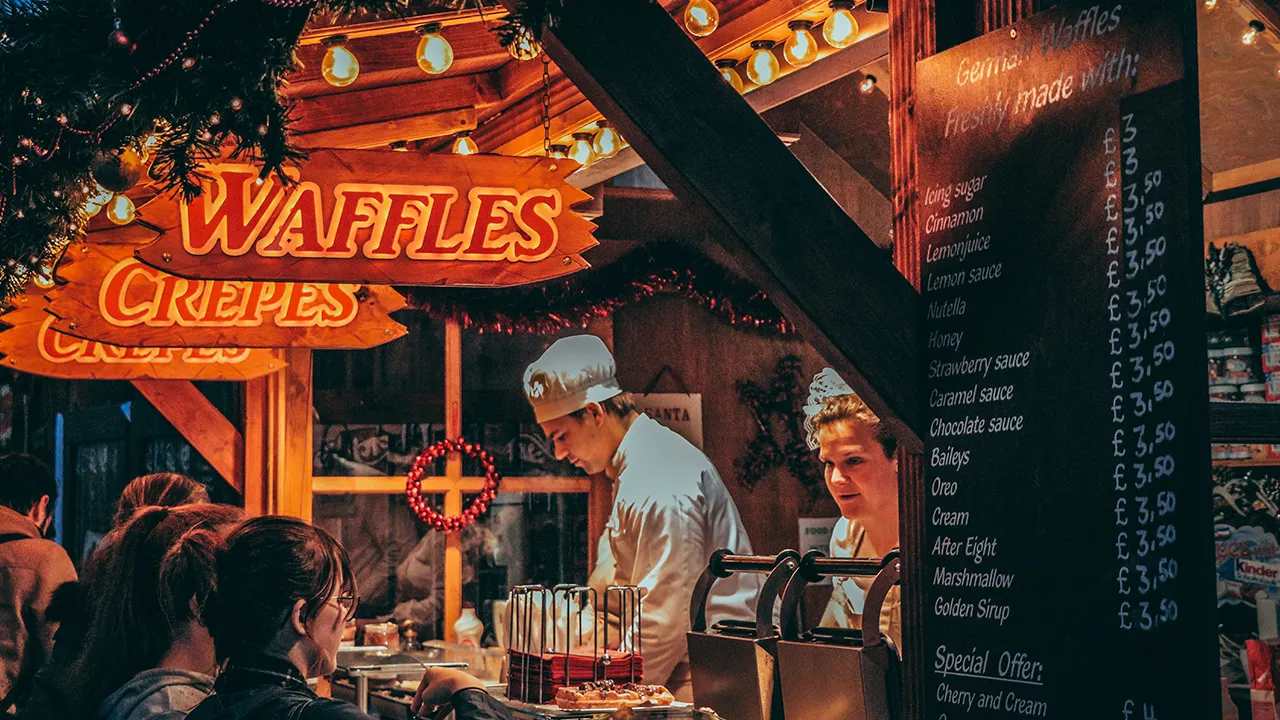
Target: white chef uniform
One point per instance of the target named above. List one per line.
(671, 510)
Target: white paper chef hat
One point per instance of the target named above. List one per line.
(826, 385)
(572, 372)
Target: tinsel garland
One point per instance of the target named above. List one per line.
(777, 406)
(573, 303)
(80, 78)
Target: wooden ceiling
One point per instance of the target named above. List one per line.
(487, 92)
(1239, 95)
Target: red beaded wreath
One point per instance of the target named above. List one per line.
(428, 514)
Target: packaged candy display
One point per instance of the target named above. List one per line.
(1248, 557)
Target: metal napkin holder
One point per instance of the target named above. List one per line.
(733, 664)
(834, 674)
(538, 607)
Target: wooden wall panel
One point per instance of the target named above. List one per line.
(710, 357)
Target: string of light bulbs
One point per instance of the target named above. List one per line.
(340, 67)
(800, 49)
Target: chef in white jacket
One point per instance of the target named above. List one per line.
(671, 510)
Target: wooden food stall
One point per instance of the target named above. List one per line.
(843, 181)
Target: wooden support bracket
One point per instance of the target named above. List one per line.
(200, 423)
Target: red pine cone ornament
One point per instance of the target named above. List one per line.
(478, 507)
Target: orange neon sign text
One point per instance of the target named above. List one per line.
(135, 294)
(56, 347)
(237, 215)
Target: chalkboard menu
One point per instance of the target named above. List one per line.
(1069, 559)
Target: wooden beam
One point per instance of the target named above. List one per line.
(762, 99)
(392, 60)
(201, 424)
(362, 107)
(325, 27)
(293, 491)
(782, 228)
(856, 195)
(381, 134)
(514, 138)
(1258, 173)
(453, 471)
(255, 445)
(379, 485)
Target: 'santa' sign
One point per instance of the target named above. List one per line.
(367, 216)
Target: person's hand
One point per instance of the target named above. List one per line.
(438, 686)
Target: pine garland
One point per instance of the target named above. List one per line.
(79, 78)
(644, 273)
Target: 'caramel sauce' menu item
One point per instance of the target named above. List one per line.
(1068, 542)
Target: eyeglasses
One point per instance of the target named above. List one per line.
(347, 604)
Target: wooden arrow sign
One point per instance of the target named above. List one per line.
(31, 345)
(112, 297)
(370, 216)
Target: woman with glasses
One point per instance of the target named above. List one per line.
(284, 591)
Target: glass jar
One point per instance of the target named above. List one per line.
(1237, 365)
(1240, 451)
(1216, 357)
(1223, 393)
(1253, 393)
(1219, 451)
(386, 634)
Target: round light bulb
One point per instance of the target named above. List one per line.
(867, 85)
(840, 29)
(729, 71)
(464, 145)
(607, 142)
(558, 152)
(340, 67)
(701, 18)
(762, 66)
(121, 211)
(1254, 32)
(581, 150)
(435, 54)
(801, 47)
(524, 47)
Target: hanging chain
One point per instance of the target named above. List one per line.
(546, 105)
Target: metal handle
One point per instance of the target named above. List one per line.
(723, 564)
(815, 566)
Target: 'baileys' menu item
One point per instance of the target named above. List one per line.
(1068, 532)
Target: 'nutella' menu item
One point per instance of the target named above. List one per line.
(1068, 554)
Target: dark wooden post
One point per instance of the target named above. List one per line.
(917, 30)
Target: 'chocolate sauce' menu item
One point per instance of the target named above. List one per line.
(1069, 558)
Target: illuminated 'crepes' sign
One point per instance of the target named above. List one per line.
(112, 297)
(31, 345)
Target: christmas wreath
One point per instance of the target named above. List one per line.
(429, 515)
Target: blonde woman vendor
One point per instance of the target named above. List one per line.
(858, 455)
